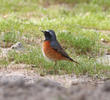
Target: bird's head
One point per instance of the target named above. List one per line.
(49, 35)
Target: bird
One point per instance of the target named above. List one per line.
(52, 49)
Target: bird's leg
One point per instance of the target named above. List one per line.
(55, 67)
(55, 63)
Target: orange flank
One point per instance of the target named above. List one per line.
(51, 53)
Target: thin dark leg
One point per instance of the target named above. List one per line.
(55, 63)
(55, 69)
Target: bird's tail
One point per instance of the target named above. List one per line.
(73, 60)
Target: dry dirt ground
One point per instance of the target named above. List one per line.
(20, 82)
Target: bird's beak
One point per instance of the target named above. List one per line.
(43, 31)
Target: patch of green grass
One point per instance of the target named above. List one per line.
(4, 62)
(34, 57)
(94, 20)
(9, 37)
(83, 42)
(104, 3)
(31, 56)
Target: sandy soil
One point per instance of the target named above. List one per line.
(20, 82)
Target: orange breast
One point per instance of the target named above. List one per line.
(51, 53)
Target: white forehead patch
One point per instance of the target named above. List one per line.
(48, 31)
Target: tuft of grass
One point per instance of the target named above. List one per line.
(83, 42)
(9, 37)
(4, 62)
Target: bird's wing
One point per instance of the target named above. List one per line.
(56, 46)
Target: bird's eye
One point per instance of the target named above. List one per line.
(48, 34)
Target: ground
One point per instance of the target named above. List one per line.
(25, 84)
(83, 29)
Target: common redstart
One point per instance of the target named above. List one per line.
(52, 48)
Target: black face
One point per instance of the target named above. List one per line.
(49, 35)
